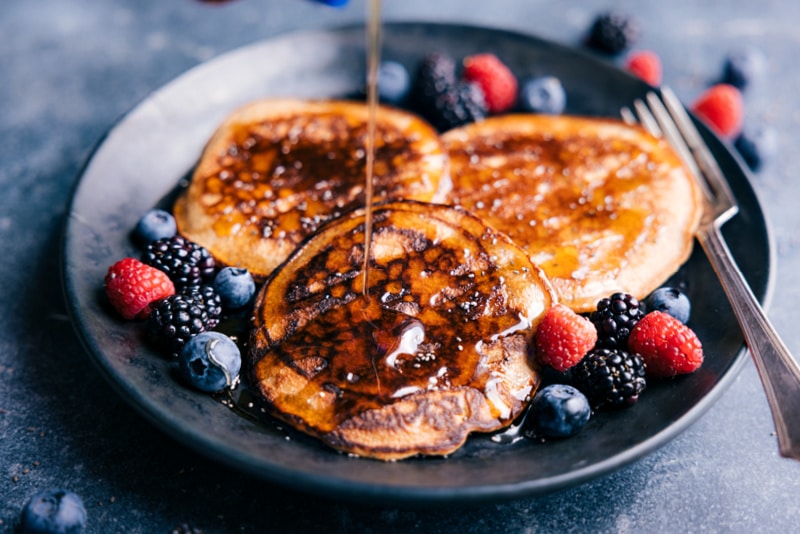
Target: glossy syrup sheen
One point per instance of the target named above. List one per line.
(440, 308)
(292, 176)
(543, 209)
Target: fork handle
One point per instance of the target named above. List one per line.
(779, 372)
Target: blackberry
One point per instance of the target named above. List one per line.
(186, 263)
(614, 319)
(610, 378)
(175, 320)
(441, 98)
(207, 297)
(613, 33)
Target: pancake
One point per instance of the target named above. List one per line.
(600, 205)
(437, 351)
(278, 169)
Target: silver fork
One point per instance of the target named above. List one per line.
(779, 372)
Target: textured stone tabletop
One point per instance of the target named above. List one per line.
(69, 69)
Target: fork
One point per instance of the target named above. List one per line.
(666, 117)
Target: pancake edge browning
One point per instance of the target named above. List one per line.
(433, 422)
(237, 239)
(669, 204)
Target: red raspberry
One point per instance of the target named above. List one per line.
(563, 338)
(667, 346)
(133, 287)
(721, 107)
(498, 83)
(646, 65)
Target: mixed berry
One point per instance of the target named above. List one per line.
(179, 295)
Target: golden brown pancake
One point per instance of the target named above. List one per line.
(276, 170)
(439, 350)
(600, 205)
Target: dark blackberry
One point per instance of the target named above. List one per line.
(209, 299)
(614, 319)
(186, 263)
(441, 98)
(175, 320)
(610, 378)
(613, 33)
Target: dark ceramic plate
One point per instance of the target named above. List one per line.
(144, 156)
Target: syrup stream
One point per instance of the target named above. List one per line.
(373, 60)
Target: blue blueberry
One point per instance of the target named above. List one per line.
(210, 361)
(559, 411)
(543, 95)
(235, 286)
(334, 3)
(743, 67)
(756, 146)
(670, 300)
(53, 511)
(394, 82)
(154, 225)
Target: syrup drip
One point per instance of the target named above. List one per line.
(373, 60)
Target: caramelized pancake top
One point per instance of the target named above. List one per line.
(277, 170)
(438, 350)
(601, 206)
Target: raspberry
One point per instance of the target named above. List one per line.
(667, 346)
(498, 83)
(721, 107)
(613, 33)
(646, 65)
(563, 338)
(614, 318)
(186, 263)
(133, 287)
(610, 378)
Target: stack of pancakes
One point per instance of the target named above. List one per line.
(476, 233)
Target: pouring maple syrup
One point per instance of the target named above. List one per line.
(373, 61)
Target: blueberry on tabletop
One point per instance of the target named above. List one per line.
(235, 287)
(333, 3)
(756, 146)
(394, 82)
(743, 67)
(544, 94)
(558, 411)
(154, 225)
(53, 511)
(670, 300)
(210, 361)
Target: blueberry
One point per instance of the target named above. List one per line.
(210, 361)
(756, 145)
(670, 300)
(742, 67)
(394, 82)
(558, 411)
(334, 3)
(543, 95)
(235, 287)
(53, 511)
(154, 225)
